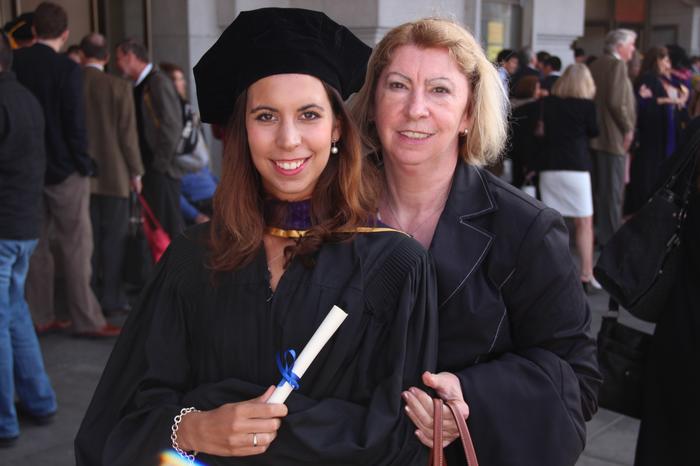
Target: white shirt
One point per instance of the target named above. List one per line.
(96, 66)
(143, 74)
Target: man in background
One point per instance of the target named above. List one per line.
(57, 83)
(160, 122)
(22, 164)
(113, 143)
(616, 108)
(551, 72)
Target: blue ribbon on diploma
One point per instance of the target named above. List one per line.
(285, 367)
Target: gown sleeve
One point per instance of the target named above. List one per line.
(129, 418)
(545, 388)
(335, 431)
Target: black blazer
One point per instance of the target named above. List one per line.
(547, 82)
(57, 83)
(569, 124)
(513, 324)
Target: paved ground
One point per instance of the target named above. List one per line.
(74, 366)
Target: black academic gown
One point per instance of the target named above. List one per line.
(654, 122)
(192, 343)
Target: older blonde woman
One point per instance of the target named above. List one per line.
(513, 319)
(569, 116)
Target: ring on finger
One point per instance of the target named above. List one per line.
(255, 439)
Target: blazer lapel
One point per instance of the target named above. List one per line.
(458, 246)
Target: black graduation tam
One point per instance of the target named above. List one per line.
(271, 41)
(20, 28)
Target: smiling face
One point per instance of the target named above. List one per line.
(420, 107)
(290, 124)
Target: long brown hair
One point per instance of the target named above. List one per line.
(650, 63)
(344, 196)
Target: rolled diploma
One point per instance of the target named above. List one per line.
(323, 333)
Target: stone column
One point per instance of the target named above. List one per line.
(552, 25)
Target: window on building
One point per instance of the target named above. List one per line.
(501, 26)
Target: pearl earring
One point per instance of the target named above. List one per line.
(334, 147)
(464, 133)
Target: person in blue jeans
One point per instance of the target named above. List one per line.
(22, 167)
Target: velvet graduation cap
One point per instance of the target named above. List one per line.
(20, 28)
(271, 41)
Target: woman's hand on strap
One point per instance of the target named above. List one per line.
(234, 429)
(419, 407)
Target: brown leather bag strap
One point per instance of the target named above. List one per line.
(465, 437)
(436, 454)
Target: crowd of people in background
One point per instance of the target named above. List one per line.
(590, 142)
(86, 142)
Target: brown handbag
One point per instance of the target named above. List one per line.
(437, 457)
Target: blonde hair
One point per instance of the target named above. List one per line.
(576, 82)
(488, 102)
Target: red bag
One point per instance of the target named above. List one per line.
(436, 454)
(158, 239)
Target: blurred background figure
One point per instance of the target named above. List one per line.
(580, 55)
(694, 103)
(113, 143)
(57, 83)
(22, 165)
(527, 61)
(73, 52)
(198, 186)
(159, 122)
(524, 146)
(550, 73)
(565, 179)
(681, 71)
(542, 57)
(660, 101)
(616, 109)
(634, 66)
(507, 62)
(20, 31)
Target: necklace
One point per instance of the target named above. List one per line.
(272, 261)
(415, 229)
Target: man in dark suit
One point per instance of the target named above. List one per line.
(113, 142)
(551, 71)
(528, 67)
(160, 123)
(56, 81)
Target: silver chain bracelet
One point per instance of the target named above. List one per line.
(173, 437)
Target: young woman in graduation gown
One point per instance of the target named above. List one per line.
(513, 342)
(292, 235)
